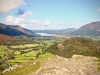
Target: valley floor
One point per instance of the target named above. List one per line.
(77, 65)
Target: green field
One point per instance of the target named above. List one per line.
(23, 57)
(19, 58)
(24, 46)
(24, 53)
(4, 50)
(46, 55)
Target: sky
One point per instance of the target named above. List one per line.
(49, 14)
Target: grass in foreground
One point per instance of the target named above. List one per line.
(29, 66)
(99, 65)
(23, 57)
(46, 55)
(26, 68)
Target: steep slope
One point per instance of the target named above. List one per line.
(5, 38)
(26, 31)
(91, 29)
(14, 30)
(77, 45)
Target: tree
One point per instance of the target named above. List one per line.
(0, 57)
(37, 55)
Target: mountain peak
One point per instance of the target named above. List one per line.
(14, 30)
(91, 29)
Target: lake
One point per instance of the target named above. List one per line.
(45, 34)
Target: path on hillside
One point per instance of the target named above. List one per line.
(77, 65)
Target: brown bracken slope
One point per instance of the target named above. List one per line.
(4, 37)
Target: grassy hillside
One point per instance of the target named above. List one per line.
(25, 68)
(77, 45)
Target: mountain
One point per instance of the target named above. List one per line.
(25, 31)
(4, 37)
(91, 29)
(76, 45)
(59, 31)
(14, 30)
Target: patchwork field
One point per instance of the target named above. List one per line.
(19, 54)
(4, 50)
(24, 46)
(26, 52)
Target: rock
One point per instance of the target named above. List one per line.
(77, 65)
(76, 56)
(10, 68)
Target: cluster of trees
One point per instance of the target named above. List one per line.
(4, 60)
(18, 42)
(22, 52)
(38, 54)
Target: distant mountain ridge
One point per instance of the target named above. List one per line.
(14, 30)
(57, 31)
(91, 29)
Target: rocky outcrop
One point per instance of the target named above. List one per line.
(10, 68)
(77, 65)
(60, 46)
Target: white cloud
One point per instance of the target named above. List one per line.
(35, 22)
(22, 21)
(99, 9)
(27, 14)
(38, 22)
(9, 5)
(19, 21)
(48, 22)
(10, 20)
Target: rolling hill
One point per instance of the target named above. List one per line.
(91, 29)
(76, 45)
(14, 30)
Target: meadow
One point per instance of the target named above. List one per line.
(25, 68)
(25, 52)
